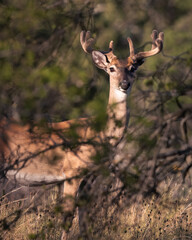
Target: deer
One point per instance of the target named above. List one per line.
(44, 155)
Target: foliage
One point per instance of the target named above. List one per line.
(37, 67)
(45, 76)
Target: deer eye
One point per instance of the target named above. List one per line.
(112, 69)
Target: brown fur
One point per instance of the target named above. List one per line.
(122, 63)
(43, 153)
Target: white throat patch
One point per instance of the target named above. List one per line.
(119, 95)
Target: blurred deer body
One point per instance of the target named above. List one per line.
(36, 158)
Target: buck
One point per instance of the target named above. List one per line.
(37, 157)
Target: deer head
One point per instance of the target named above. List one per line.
(120, 71)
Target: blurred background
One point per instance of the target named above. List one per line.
(46, 76)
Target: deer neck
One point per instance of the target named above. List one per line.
(117, 113)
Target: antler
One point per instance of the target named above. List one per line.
(87, 43)
(157, 46)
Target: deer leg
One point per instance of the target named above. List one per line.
(60, 189)
(84, 199)
(69, 203)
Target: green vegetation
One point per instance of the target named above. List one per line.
(46, 76)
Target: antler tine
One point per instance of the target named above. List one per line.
(111, 46)
(131, 47)
(86, 41)
(157, 46)
(109, 54)
(154, 36)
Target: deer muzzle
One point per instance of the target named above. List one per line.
(124, 85)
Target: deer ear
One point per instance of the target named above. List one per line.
(100, 60)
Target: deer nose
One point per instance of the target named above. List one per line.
(125, 84)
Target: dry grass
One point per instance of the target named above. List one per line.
(168, 217)
(156, 219)
(34, 221)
